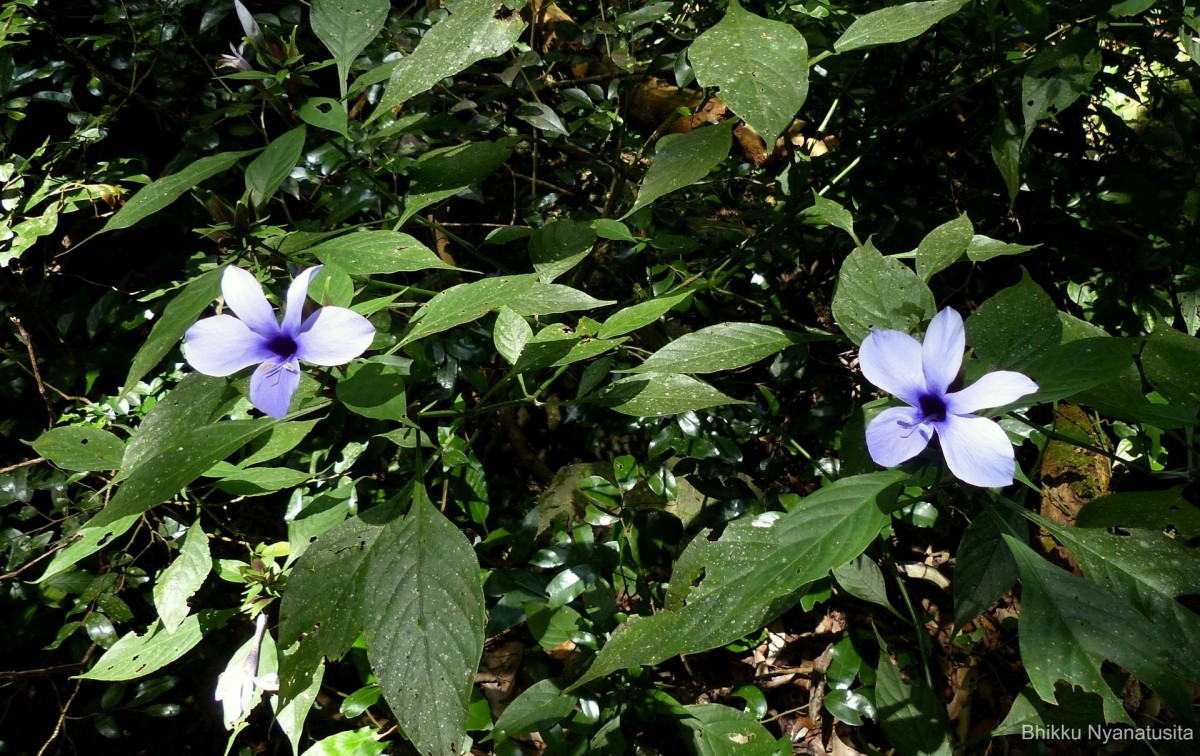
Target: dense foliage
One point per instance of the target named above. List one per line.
(603, 479)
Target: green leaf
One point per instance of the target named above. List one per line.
(281, 439)
(761, 67)
(1057, 76)
(1006, 146)
(911, 715)
(607, 228)
(985, 568)
(266, 173)
(329, 621)
(985, 248)
(716, 730)
(1150, 572)
(943, 246)
(639, 315)
(374, 390)
(523, 294)
(158, 478)
(80, 449)
(831, 213)
(1172, 363)
(877, 292)
(510, 334)
(1066, 370)
(182, 578)
(751, 574)
(1153, 510)
(360, 742)
(539, 707)
(424, 624)
(195, 401)
(862, 578)
(258, 481)
(725, 346)
(346, 27)
(332, 118)
(681, 160)
(136, 655)
(442, 173)
(1070, 626)
(474, 31)
(176, 318)
(1075, 709)
(365, 253)
(559, 246)
(291, 716)
(658, 394)
(895, 24)
(161, 193)
(1015, 327)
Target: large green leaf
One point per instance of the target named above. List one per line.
(369, 252)
(540, 706)
(716, 730)
(1066, 370)
(346, 27)
(176, 318)
(761, 67)
(636, 316)
(1149, 571)
(1172, 363)
(374, 390)
(725, 346)
(877, 292)
(1070, 626)
(751, 574)
(658, 394)
(424, 616)
(681, 160)
(182, 578)
(524, 295)
(159, 477)
(984, 568)
(442, 173)
(943, 246)
(1015, 327)
(895, 24)
(1152, 510)
(1057, 76)
(136, 655)
(559, 246)
(80, 448)
(161, 193)
(909, 712)
(475, 30)
(266, 173)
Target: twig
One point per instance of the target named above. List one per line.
(19, 465)
(23, 568)
(37, 374)
(62, 715)
(17, 674)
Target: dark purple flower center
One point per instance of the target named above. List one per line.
(933, 408)
(283, 345)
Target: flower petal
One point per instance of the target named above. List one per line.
(942, 350)
(894, 436)
(297, 293)
(992, 390)
(333, 336)
(272, 386)
(222, 345)
(892, 361)
(977, 450)
(245, 297)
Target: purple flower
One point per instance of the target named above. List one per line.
(222, 345)
(977, 451)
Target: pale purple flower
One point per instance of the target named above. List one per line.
(977, 450)
(222, 345)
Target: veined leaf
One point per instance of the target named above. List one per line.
(752, 573)
(877, 292)
(182, 578)
(161, 193)
(80, 448)
(266, 173)
(761, 67)
(424, 616)
(895, 24)
(725, 346)
(943, 246)
(681, 160)
(1015, 327)
(346, 27)
(370, 252)
(136, 655)
(658, 394)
